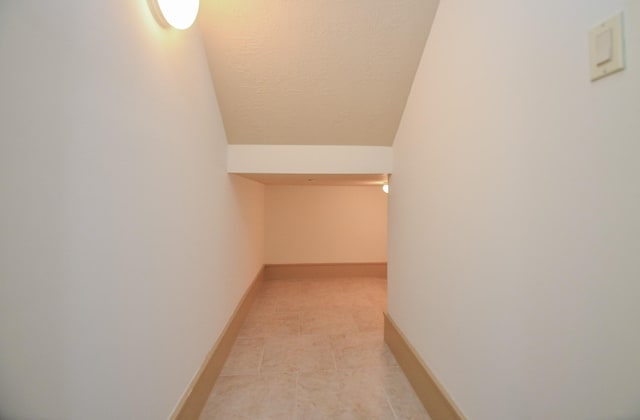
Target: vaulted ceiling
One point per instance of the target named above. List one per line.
(314, 72)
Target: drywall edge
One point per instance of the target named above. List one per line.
(309, 159)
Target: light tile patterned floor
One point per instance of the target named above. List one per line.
(314, 349)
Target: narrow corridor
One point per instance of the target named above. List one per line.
(314, 349)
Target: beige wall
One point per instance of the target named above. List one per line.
(323, 224)
(514, 213)
(124, 244)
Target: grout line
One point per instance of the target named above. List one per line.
(386, 395)
(333, 354)
(262, 357)
(295, 397)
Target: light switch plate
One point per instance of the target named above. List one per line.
(604, 47)
(606, 42)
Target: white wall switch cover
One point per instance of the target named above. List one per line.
(606, 43)
(604, 48)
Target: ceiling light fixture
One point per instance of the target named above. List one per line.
(385, 188)
(177, 13)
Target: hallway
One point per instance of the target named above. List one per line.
(314, 349)
(150, 176)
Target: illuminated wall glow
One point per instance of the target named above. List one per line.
(177, 13)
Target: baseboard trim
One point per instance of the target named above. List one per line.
(198, 392)
(433, 396)
(296, 271)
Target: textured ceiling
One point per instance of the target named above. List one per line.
(328, 72)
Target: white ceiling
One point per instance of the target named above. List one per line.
(314, 72)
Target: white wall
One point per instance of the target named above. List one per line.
(124, 245)
(325, 224)
(515, 212)
(279, 159)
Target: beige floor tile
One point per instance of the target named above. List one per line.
(297, 303)
(308, 299)
(262, 306)
(327, 322)
(305, 353)
(341, 395)
(283, 290)
(252, 397)
(404, 401)
(378, 300)
(271, 325)
(280, 283)
(353, 351)
(369, 320)
(314, 349)
(321, 287)
(245, 357)
(359, 284)
(349, 301)
(277, 294)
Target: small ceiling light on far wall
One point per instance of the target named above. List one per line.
(385, 188)
(177, 13)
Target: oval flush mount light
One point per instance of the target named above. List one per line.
(385, 188)
(177, 13)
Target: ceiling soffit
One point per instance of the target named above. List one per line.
(330, 72)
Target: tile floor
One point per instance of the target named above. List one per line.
(314, 349)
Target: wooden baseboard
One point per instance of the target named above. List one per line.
(198, 392)
(431, 393)
(297, 271)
